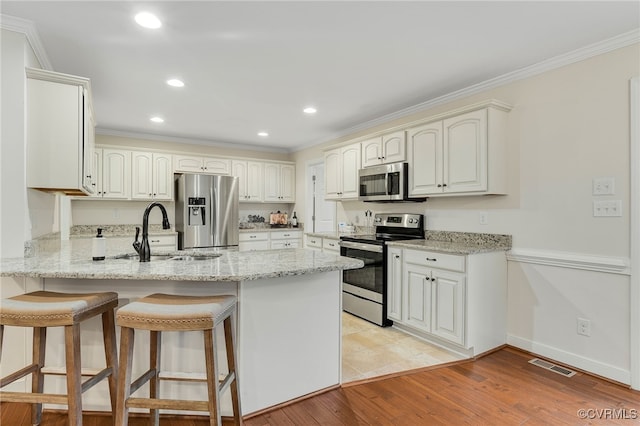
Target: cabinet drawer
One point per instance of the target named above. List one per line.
(162, 240)
(285, 235)
(253, 236)
(313, 242)
(331, 244)
(452, 262)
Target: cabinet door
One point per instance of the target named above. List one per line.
(96, 179)
(216, 166)
(253, 245)
(116, 173)
(162, 177)
(141, 175)
(394, 284)
(287, 183)
(465, 152)
(271, 182)
(350, 166)
(447, 319)
(255, 181)
(393, 147)
(332, 174)
(417, 302)
(425, 159)
(239, 170)
(187, 164)
(372, 152)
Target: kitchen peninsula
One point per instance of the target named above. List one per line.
(288, 322)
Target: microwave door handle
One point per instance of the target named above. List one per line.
(387, 183)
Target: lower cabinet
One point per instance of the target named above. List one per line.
(285, 239)
(458, 300)
(265, 240)
(163, 242)
(325, 244)
(253, 241)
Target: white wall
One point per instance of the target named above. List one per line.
(567, 126)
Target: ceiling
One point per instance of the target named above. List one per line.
(253, 66)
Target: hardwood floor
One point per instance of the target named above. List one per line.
(501, 388)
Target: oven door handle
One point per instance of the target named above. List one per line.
(361, 246)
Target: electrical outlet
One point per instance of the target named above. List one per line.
(584, 327)
(604, 186)
(610, 208)
(484, 218)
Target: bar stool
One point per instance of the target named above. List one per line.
(163, 312)
(42, 309)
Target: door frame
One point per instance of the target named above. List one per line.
(634, 283)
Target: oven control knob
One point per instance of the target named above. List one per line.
(410, 220)
(378, 219)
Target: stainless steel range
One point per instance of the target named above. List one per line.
(364, 291)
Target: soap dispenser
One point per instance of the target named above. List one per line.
(99, 246)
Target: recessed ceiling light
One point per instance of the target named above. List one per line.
(148, 20)
(157, 119)
(175, 82)
(310, 110)
(263, 134)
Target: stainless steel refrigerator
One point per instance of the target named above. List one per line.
(207, 211)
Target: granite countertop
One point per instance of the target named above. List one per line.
(457, 242)
(72, 259)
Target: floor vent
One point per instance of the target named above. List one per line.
(552, 367)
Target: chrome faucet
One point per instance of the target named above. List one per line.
(143, 249)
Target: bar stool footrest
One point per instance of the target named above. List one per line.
(174, 404)
(18, 375)
(34, 398)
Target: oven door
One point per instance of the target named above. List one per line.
(367, 281)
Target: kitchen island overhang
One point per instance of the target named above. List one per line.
(288, 320)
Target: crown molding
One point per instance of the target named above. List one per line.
(11, 23)
(190, 141)
(595, 49)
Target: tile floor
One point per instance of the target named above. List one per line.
(370, 351)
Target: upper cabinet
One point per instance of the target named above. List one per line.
(341, 167)
(60, 133)
(151, 176)
(461, 155)
(388, 148)
(279, 182)
(112, 174)
(251, 180)
(197, 164)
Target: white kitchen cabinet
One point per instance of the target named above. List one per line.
(341, 167)
(389, 148)
(250, 178)
(331, 245)
(112, 178)
(285, 239)
(163, 242)
(60, 132)
(462, 154)
(455, 300)
(313, 242)
(279, 182)
(205, 165)
(394, 284)
(152, 176)
(252, 241)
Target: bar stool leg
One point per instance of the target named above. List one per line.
(37, 378)
(74, 373)
(124, 375)
(110, 353)
(154, 365)
(211, 359)
(1, 339)
(231, 362)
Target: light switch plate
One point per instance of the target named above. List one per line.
(604, 186)
(607, 208)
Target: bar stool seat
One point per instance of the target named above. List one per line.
(42, 309)
(162, 312)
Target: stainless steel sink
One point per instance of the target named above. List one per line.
(189, 258)
(183, 258)
(133, 256)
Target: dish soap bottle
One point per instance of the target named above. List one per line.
(294, 220)
(99, 246)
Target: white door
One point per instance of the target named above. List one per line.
(321, 213)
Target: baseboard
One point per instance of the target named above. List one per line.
(589, 365)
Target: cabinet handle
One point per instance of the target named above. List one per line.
(332, 245)
(155, 241)
(439, 185)
(444, 184)
(286, 235)
(433, 279)
(88, 176)
(396, 256)
(431, 260)
(252, 236)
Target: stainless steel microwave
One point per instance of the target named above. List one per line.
(385, 183)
